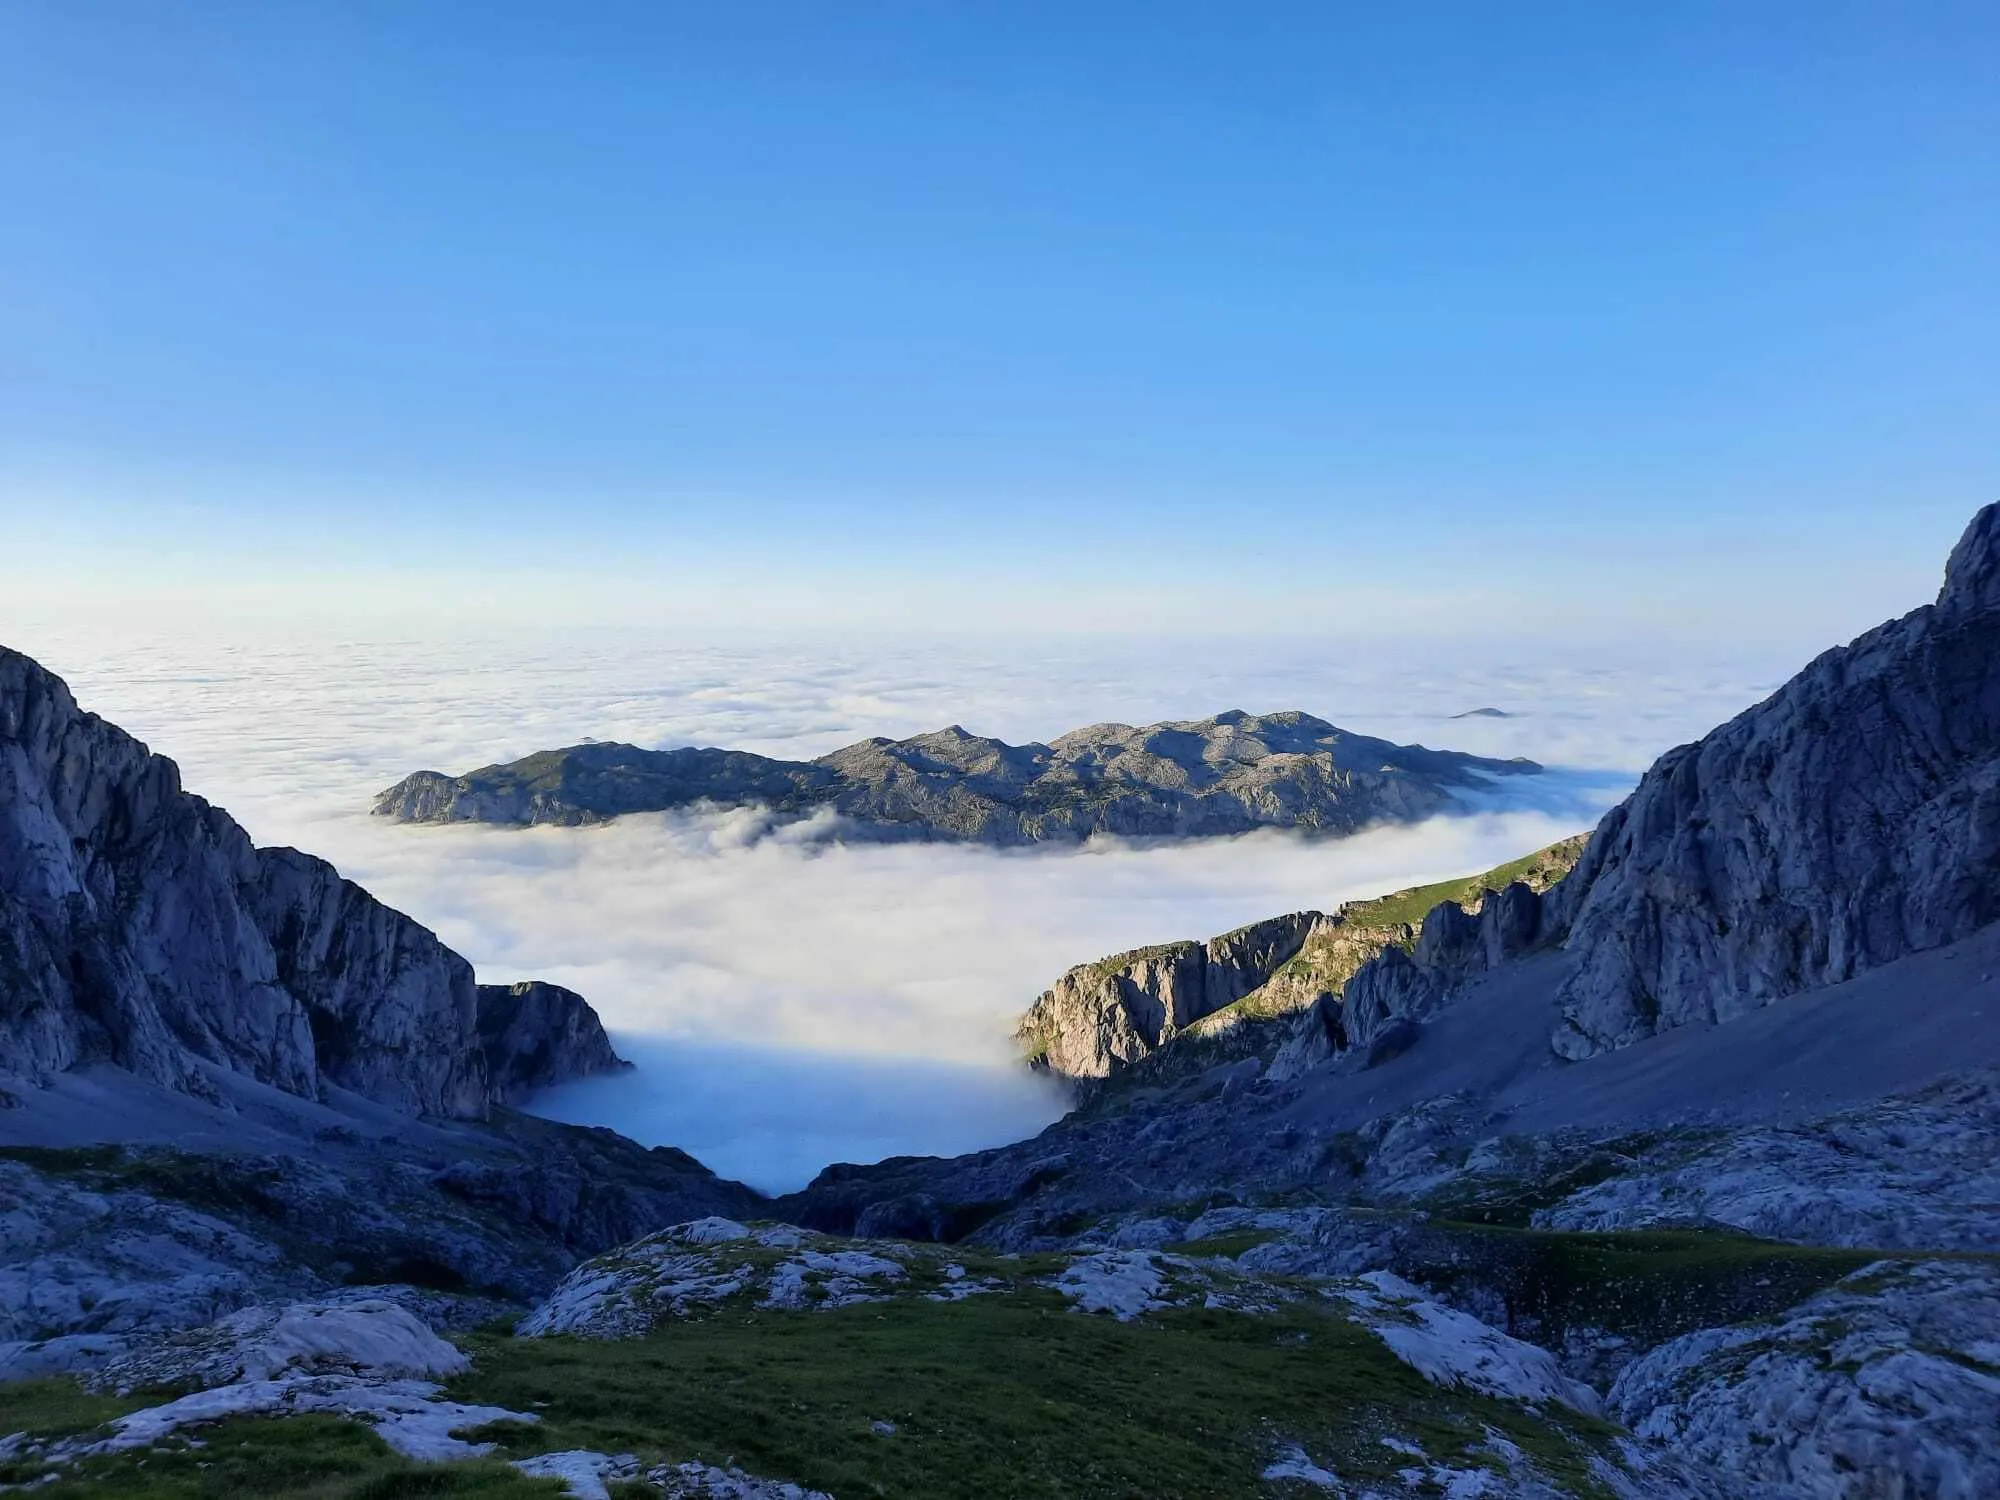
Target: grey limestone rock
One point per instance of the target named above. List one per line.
(139, 926)
(1883, 1385)
(1851, 818)
(1111, 1013)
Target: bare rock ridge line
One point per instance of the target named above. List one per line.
(139, 926)
(1849, 819)
(1102, 1017)
(1230, 774)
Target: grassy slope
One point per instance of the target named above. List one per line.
(999, 1397)
(1539, 869)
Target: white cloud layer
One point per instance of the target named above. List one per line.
(794, 1003)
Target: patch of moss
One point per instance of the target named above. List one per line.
(58, 1407)
(1224, 1246)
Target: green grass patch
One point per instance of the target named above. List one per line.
(1224, 1246)
(1653, 1284)
(1540, 869)
(59, 1407)
(310, 1457)
(1000, 1398)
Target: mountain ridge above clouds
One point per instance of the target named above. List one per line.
(1229, 774)
(226, 1072)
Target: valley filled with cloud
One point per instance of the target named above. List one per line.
(793, 998)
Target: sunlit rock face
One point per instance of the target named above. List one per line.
(139, 926)
(1107, 1014)
(1851, 818)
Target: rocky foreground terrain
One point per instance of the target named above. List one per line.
(1677, 1174)
(1230, 774)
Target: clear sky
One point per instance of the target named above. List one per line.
(1643, 316)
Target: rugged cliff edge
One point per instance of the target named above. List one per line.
(1851, 818)
(139, 926)
(1107, 1016)
(1229, 774)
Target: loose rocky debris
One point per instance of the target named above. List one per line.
(1503, 1472)
(694, 1481)
(589, 1477)
(1887, 1384)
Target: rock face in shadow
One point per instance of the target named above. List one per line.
(139, 926)
(1229, 774)
(1851, 818)
(535, 1034)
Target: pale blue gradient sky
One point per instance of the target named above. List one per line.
(1652, 319)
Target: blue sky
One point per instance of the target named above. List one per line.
(1169, 315)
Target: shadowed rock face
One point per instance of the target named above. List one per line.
(535, 1034)
(1224, 775)
(140, 926)
(1851, 818)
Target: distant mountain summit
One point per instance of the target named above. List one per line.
(1187, 779)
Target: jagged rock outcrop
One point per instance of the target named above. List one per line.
(1400, 988)
(1851, 818)
(1229, 774)
(535, 1034)
(1104, 1015)
(140, 926)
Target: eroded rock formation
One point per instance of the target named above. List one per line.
(1851, 818)
(139, 926)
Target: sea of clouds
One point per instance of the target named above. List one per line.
(792, 1000)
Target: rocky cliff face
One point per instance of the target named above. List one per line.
(1106, 1016)
(1400, 987)
(1849, 819)
(1109, 1014)
(1229, 774)
(139, 926)
(535, 1034)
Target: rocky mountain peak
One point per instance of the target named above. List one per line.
(1972, 574)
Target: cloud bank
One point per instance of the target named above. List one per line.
(791, 1001)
